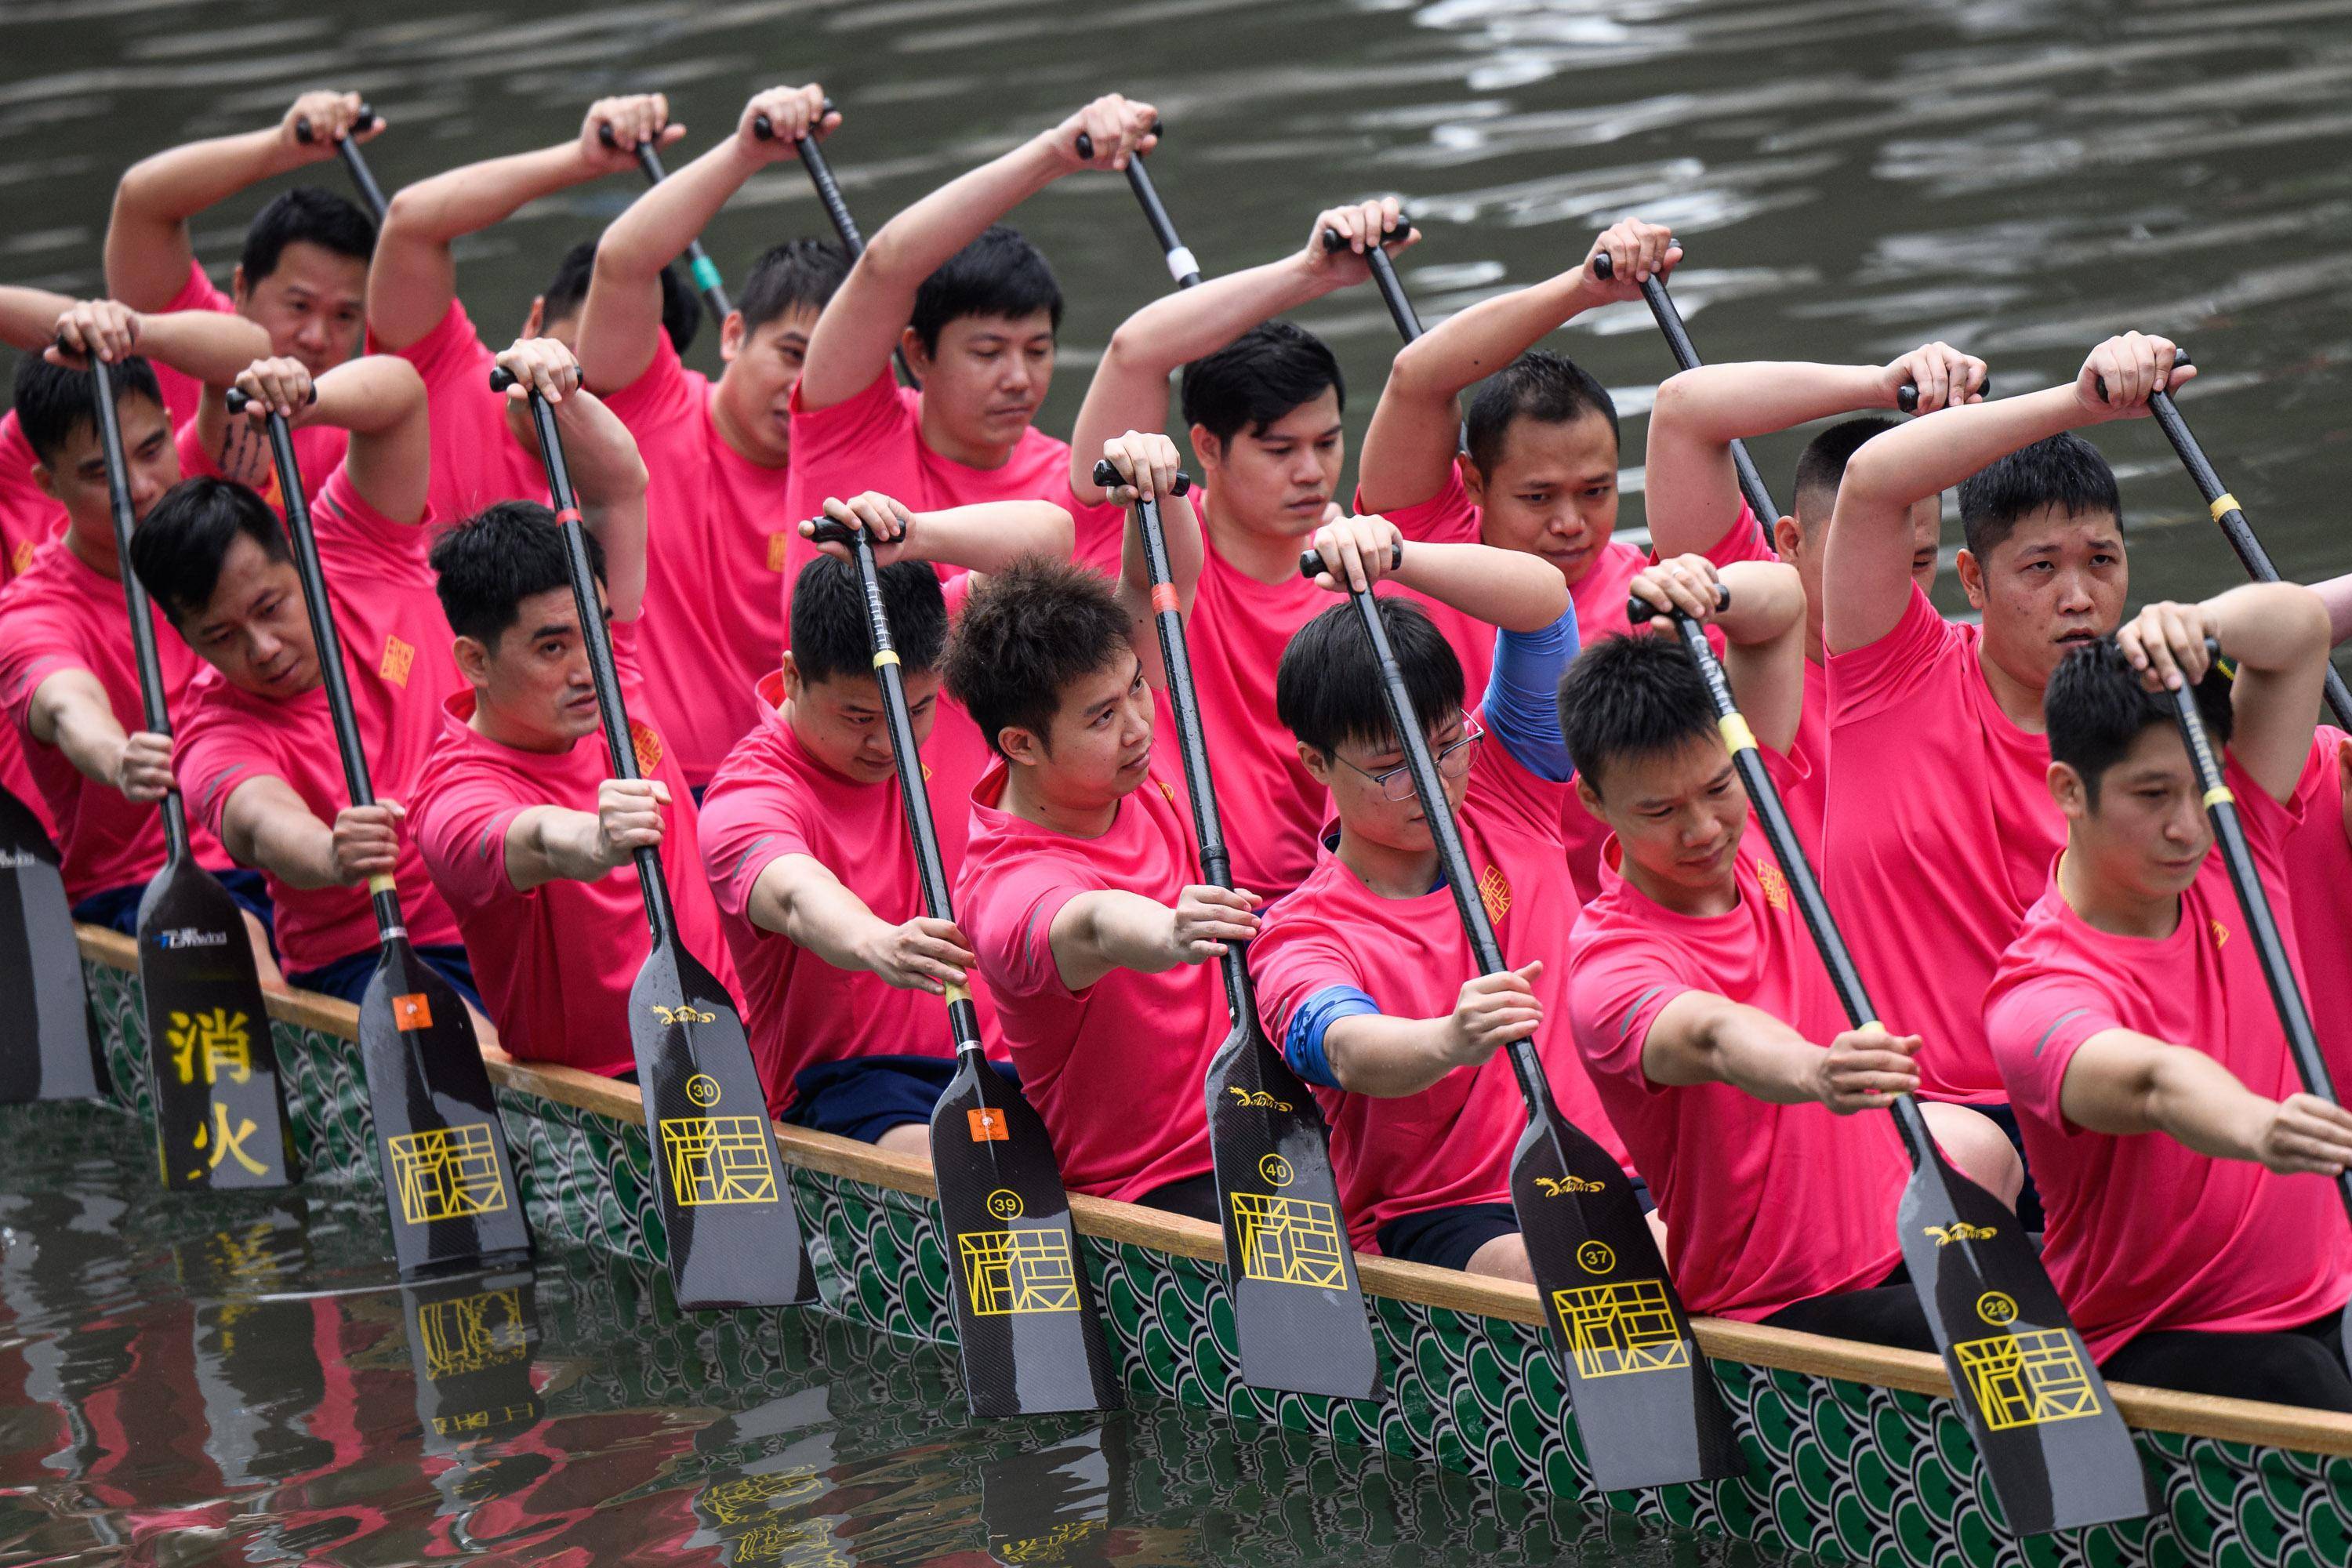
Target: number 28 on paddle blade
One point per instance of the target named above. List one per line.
(446, 1174)
(219, 1121)
(2055, 1448)
(1642, 1391)
(1025, 1314)
(46, 1050)
(1297, 1310)
(726, 1206)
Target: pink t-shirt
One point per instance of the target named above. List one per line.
(1451, 1143)
(771, 798)
(1931, 865)
(1116, 1069)
(399, 667)
(1766, 1205)
(319, 448)
(716, 540)
(2319, 883)
(61, 614)
(477, 461)
(555, 965)
(2230, 1248)
(29, 518)
(873, 441)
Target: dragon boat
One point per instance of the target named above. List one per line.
(1855, 1453)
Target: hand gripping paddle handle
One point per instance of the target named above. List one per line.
(1106, 476)
(1384, 278)
(353, 159)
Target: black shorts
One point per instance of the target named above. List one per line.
(2293, 1366)
(1447, 1237)
(864, 1097)
(1192, 1196)
(1887, 1313)
(117, 909)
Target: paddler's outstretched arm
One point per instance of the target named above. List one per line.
(864, 319)
(985, 537)
(1129, 391)
(211, 346)
(2122, 1082)
(1416, 428)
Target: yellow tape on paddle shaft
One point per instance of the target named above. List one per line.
(1736, 733)
(956, 993)
(2219, 795)
(380, 885)
(887, 656)
(2223, 502)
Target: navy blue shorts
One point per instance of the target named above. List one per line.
(2029, 1201)
(117, 909)
(1447, 1237)
(864, 1097)
(348, 977)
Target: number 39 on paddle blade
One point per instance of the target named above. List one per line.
(1025, 1313)
(46, 1051)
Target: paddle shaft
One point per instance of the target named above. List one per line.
(618, 742)
(382, 891)
(828, 193)
(963, 1018)
(1384, 270)
(355, 161)
(2254, 903)
(699, 264)
(157, 714)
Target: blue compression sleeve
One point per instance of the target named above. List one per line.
(1523, 696)
(1302, 1046)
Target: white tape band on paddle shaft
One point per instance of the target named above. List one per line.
(1181, 264)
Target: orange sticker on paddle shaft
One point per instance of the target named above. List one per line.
(1163, 597)
(411, 1012)
(988, 1126)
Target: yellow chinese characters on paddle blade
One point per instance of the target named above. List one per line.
(211, 1047)
(2024, 1378)
(1027, 1268)
(446, 1173)
(1290, 1241)
(718, 1160)
(1625, 1326)
(220, 1142)
(472, 1333)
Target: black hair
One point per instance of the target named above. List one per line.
(830, 635)
(999, 274)
(799, 274)
(2062, 470)
(1258, 378)
(1025, 634)
(2096, 707)
(1630, 694)
(178, 547)
(1821, 467)
(1539, 385)
(568, 290)
(54, 404)
(304, 214)
(486, 566)
(1328, 688)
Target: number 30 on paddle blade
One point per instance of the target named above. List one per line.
(725, 1204)
(1297, 1307)
(1025, 1307)
(46, 1047)
(1645, 1399)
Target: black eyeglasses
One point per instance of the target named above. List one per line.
(1454, 762)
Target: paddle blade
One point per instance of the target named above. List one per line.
(2056, 1449)
(470, 1341)
(219, 1119)
(47, 1048)
(1056, 1504)
(1025, 1307)
(1645, 1399)
(1296, 1306)
(448, 1183)
(733, 1239)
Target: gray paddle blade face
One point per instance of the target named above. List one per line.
(48, 1050)
(220, 1122)
(1297, 1310)
(719, 1181)
(470, 1341)
(448, 1183)
(1644, 1396)
(1025, 1307)
(2055, 1448)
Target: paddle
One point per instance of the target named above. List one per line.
(371, 194)
(220, 1121)
(2254, 903)
(1643, 1394)
(699, 264)
(1025, 1308)
(828, 195)
(50, 1052)
(470, 1341)
(2057, 1451)
(725, 1206)
(448, 1183)
(1297, 1310)
(1182, 267)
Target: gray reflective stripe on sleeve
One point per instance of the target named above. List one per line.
(1639, 1002)
(1181, 264)
(2055, 1025)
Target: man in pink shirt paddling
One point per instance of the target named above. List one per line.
(2196, 1229)
(805, 829)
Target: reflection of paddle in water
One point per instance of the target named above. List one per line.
(1055, 1504)
(470, 1341)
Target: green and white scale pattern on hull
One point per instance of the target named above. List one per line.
(1843, 1471)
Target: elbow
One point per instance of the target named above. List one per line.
(1054, 533)
(1679, 400)
(1873, 477)
(1415, 369)
(404, 212)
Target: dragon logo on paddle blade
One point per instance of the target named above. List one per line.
(1257, 1098)
(685, 1012)
(1959, 1230)
(1561, 1186)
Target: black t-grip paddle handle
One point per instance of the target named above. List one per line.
(302, 131)
(1334, 240)
(1106, 476)
(1086, 143)
(1311, 564)
(2179, 358)
(238, 401)
(1641, 612)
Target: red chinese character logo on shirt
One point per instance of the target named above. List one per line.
(648, 746)
(398, 657)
